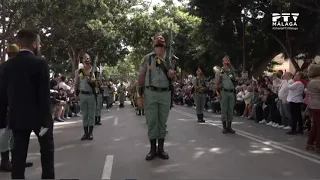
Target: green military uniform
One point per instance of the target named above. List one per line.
(157, 99)
(86, 90)
(121, 94)
(200, 97)
(227, 94)
(99, 104)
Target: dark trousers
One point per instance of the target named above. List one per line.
(295, 110)
(20, 151)
(259, 113)
(314, 135)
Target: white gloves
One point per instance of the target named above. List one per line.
(43, 131)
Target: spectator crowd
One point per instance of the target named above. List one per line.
(64, 103)
(284, 101)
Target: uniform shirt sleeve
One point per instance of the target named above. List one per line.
(144, 65)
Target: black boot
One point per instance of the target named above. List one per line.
(230, 130)
(161, 153)
(86, 133)
(200, 118)
(96, 120)
(142, 110)
(99, 120)
(5, 162)
(90, 135)
(153, 150)
(224, 130)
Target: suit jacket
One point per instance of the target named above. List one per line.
(25, 93)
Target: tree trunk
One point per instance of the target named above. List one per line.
(305, 65)
(75, 58)
(260, 67)
(286, 51)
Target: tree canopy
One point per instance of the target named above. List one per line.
(119, 32)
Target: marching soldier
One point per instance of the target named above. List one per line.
(99, 104)
(200, 94)
(6, 138)
(225, 85)
(85, 89)
(121, 94)
(153, 93)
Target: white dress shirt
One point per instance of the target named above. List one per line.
(296, 90)
(64, 86)
(284, 90)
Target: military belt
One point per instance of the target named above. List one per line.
(157, 89)
(227, 90)
(86, 92)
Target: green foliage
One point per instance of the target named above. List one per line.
(123, 72)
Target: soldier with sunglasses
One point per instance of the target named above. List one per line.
(154, 94)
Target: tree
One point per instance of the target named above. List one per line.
(223, 20)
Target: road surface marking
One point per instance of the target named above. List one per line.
(291, 150)
(115, 121)
(107, 169)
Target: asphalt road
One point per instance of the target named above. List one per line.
(197, 151)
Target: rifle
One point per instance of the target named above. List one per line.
(94, 68)
(172, 64)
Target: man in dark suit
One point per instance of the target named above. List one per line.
(6, 140)
(25, 104)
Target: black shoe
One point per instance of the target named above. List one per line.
(86, 134)
(98, 120)
(224, 130)
(90, 135)
(138, 112)
(200, 118)
(5, 165)
(142, 112)
(161, 153)
(153, 150)
(230, 130)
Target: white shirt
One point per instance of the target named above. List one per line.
(240, 95)
(295, 92)
(284, 89)
(64, 86)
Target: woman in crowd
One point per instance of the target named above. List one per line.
(247, 100)
(295, 98)
(313, 88)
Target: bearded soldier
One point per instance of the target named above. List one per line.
(154, 94)
(225, 85)
(99, 103)
(85, 89)
(6, 138)
(200, 94)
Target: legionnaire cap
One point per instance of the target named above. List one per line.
(13, 48)
(86, 58)
(158, 41)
